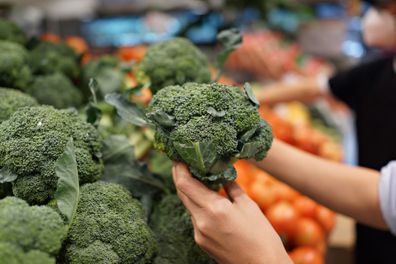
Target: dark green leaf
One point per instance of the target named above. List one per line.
(199, 155)
(248, 134)
(229, 174)
(6, 175)
(163, 119)
(67, 193)
(94, 89)
(110, 80)
(250, 95)
(117, 148)
(94, 113)
(127, 110)
(249, 150)
(213, 112)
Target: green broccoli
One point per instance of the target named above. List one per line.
(12, 254)
(48, 57)
(174, 61)
(172, 226)
(34, 138)
(14, 71)
(109, 228)
(209, 127)
(12, 100)
(31, 228)
(11, 32)
(56, 90)
(106, 71)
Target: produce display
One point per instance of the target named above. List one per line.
(81, 177)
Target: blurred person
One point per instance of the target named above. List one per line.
(369, 90)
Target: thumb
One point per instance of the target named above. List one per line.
(234, 191)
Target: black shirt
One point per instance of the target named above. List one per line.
(370, 91)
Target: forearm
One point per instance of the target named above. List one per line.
(303, 90)
(347, 190)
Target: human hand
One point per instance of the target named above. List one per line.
(232, 231)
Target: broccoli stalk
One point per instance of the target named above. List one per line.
(174, 61)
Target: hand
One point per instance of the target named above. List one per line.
(231, 231)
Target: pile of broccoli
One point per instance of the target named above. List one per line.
(12, 100)
(32, 140)
(209, 127)
(29, 234)
(56, 90)
(14, 70)
(48, 58)
(109, 228)
(174, 61)
(175, 234)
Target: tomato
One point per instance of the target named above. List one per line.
(50, 37)
(306, 255)
(78, 44)
(245, 172)
(326, 218)
(263, 195)
(308, 233)
(283, 217)
(285, 192)
(132, 53)
(305, 206)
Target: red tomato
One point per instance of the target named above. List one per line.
(50, 37)
(326, 218)
(263, 195)
(283, 217)
(305, 206)
(78, 44)
(308, 233)
(285, 193)
(306, 255)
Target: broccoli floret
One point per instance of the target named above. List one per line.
(174, 61)
(37, 228)
(11, 32)
(208, 126)
(32, 140)
(12, 254)
(12, 100)
(175, 234)
(48, 58)
(56, 90)
(14, 71)
(109, 228)
(106, 71)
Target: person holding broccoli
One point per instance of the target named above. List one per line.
(227, 227)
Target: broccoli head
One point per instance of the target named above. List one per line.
(32, 229)
(32, 140)
(106, 71)
(12, 254)
(56, 90)
(174, 231)
(209, 126)
(12, 100)
(11, 32)
(14, 71)
(109, 228)
(174, 61)
(48, 57)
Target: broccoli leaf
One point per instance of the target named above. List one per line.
(249, 149)
(110, 80)
(250, 94)
(163, 119)
(199, 155)
(94, 113)
(248, 134)
(127, 110)
(6, 175)
(230, 40)
(213, 112)
(121, 167)
(67, 193)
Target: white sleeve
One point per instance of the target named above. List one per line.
(387, 193)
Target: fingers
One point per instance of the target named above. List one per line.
(234, 191)
(192, 188)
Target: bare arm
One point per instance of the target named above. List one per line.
(305, 89)
(347, 190)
